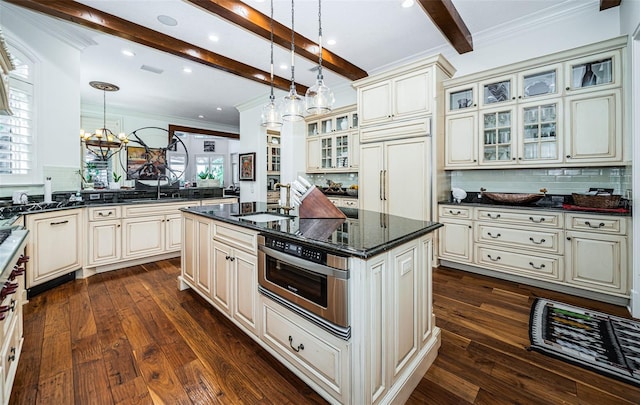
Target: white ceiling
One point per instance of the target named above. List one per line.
(372, 34)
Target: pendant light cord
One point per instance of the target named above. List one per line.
(320, 38)
(104, 112)
(271, 97)
(293, 32)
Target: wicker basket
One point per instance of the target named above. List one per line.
(596, 201)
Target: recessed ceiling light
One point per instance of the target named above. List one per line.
(166, 20)
(242, 11)
(219, 108)
(331, 42)
(128, 52)
(283, 66)
(407, 3)
(200, 116)
(186, 69)
(214, 38)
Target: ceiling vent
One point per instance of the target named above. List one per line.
(151, 69)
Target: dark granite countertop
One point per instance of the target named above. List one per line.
(362, 234)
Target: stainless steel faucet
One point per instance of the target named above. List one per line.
(160, 176)
(286, 208)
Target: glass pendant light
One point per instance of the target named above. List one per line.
(292, 107)
(319, 98)
(271, 117)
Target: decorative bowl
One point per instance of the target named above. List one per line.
(513, 198)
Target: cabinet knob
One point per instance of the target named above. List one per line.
(513, 158)
(568, 156)
(513, 98)
(568, 238)
(475, 160)
(475, 105)
(567, 88)
(469, 226)
(519, 158)
(519, 96)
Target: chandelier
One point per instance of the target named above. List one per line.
(319, 98)
(271, 117)
(103, 143)
(292, 107)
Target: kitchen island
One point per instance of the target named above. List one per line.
(391, 338)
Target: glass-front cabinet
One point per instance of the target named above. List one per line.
(540, 82)
(497, 91)
(273, 153)
(461, 99)
(333, 142)
(594, 72)
(498, 137)
(540, 129)
(347, 121)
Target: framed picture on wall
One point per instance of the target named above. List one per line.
(247, 166)
(145, 164)
(209, 146)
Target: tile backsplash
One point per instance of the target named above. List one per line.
(556, 180)
(62, 179)
(320, 180)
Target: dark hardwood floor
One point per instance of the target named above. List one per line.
(130, 337)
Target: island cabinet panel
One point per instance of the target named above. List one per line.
(55, 245)
(222, 267)
(320, 356)
(376, 360)
(203, 274)
(405, 283)
(190, 247)
(245, 294)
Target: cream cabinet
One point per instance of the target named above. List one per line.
(559, 109)
(196, 253)
(143, 236)
(393, 178)
(597, 252)
(456, 236)
(401, 97)
(235, 274)
(332, 141)
(55, 244)
(104, 237)
(561, 249)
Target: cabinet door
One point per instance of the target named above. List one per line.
(354, 150)
(497, 90)
(104, 242)
(371, 177)
(542, 82)
(313, 155)
(327, 153)
(173, 232)
(222, 262)
(341, 152)
(406, 190)
(594, 127)
(404, 271)
(203, 273)
(597, 261)
(593, 72)
(460, 141)
(143, 236)
(540, 132)
(245, 290)
(375, 103)
(456, 241)
(412, 95)
(55, 246)
(378, 301)
(461, 98)
(189, 249)
(497, 137)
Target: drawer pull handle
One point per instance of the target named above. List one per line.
(492, 217)
(537, 222)
(12, 356)
(542, 266)
(454, 213)
(494, 237)
(101, 214)
(600, 225)
(494, 260)
(297, 349)
(59, 223)
(538, 243)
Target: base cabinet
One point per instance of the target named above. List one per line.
(581, 251)
(55, 244)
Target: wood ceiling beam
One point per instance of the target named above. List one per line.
(606, 4)
(258, 23)
(445, 16)
(81, 14)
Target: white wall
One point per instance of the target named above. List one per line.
(57, 109)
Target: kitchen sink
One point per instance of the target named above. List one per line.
(263, 217)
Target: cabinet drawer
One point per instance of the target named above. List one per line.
(349, 203)
(455, 211)
(544, 267)
(103, 213)
(317, 354)
(12, 303)
(138, 210)
(10, 352)
(236, 236)
(536, 218)
(546, 240)
(596, 223)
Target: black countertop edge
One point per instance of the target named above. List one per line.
(226, 214)
(541, 207)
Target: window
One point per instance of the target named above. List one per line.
(16, 131)
(213, 164)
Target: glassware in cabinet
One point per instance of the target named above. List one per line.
(312, 128)
(461, 99)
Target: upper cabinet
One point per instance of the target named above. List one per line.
(561, 109)
(332, 140)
